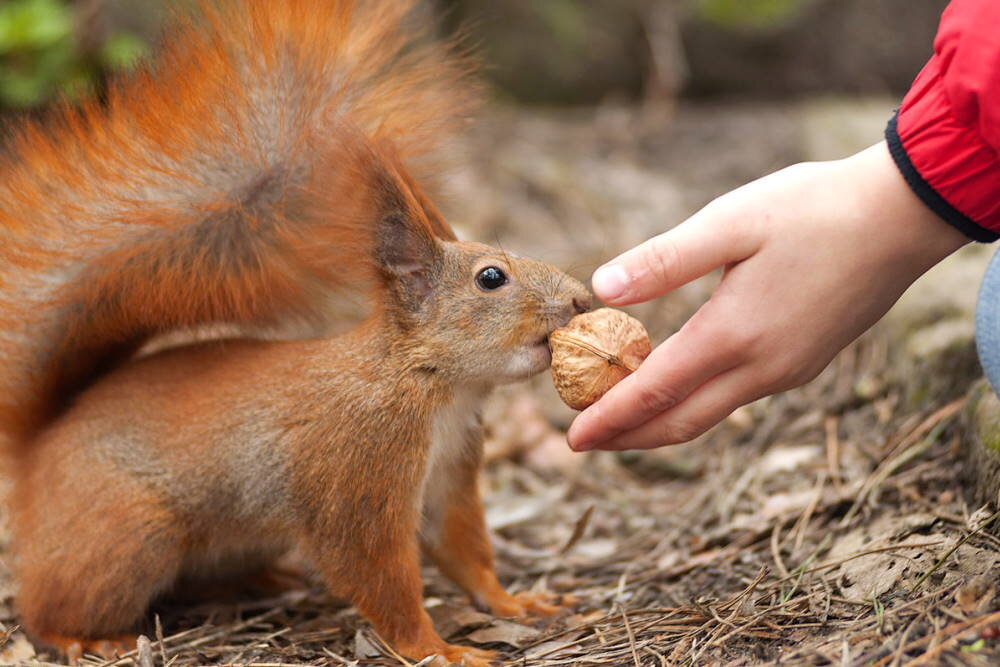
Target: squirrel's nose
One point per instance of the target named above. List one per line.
(581, 303)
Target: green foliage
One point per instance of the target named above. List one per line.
(974, 647)
(123, 50)
(566, 20)
(752, 14)
(40, 57)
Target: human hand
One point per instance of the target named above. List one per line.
(813, 255)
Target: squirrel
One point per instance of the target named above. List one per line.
(278, 152)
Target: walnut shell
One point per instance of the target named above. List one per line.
(594, 352)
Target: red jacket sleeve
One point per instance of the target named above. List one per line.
(945, 138)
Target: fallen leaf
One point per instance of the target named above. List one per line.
(974, 596)
(596, 549)
(505, 632)
(783, 459)
(578, 530)
(781, 504)
(875, 574)
(17, 650)
(450, 620)
(364, 647)
(554, 649)
(509, 511)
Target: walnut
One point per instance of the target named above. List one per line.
(594, 352)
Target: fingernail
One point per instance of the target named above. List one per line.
(610, 281)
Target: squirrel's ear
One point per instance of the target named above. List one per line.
(408, 255)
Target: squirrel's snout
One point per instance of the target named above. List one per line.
(561, 297)
(573, 298)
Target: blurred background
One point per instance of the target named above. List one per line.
(610, 121)
(555, 52)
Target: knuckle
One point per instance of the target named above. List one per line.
(807, 372)
(719, 207)
(654, 399)
(738, 339)
(727, 214)
(731, 342)
(774, 372)
(776, 376)
(682, 431)
(788, 374)
(663, 261)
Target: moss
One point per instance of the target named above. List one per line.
(749, 14)
(993, 442)
(984, 406)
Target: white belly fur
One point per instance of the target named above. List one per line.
(451, 440)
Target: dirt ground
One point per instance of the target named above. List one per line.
(828, 525)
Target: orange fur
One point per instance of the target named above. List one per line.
(74, 648)
(281, 150)
(256, 133)
(463, 553)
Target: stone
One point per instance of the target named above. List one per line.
(981, 448)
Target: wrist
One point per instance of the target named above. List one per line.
(917, 236)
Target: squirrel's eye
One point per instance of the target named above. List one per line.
(491, 278)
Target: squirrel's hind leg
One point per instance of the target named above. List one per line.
(90, 559)
(74, 649)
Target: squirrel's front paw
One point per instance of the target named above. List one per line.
(531, 604)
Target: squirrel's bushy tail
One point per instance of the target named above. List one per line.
(234, 181)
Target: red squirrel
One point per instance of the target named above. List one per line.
(276, 152)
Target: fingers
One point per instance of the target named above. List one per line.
(674, 370)
(711, 238)
(705, 408)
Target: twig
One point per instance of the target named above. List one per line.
(753, 619)
(933, 426)
(831, 425)
(802, 571)
(776, 550)
(631, 637)
(955, 637)
(159, 640)
(578, 530)
(802, 524)
(145, 650)
(869, 552)
(733, 603)
(388, 649)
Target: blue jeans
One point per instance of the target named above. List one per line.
(988, 323)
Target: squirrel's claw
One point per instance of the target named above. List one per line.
(526, 604)
(466, 656)
(74, 649)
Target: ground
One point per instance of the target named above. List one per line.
(826, 525)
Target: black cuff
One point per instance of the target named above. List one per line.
(927, 194)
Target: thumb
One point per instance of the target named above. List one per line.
(707, 240)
